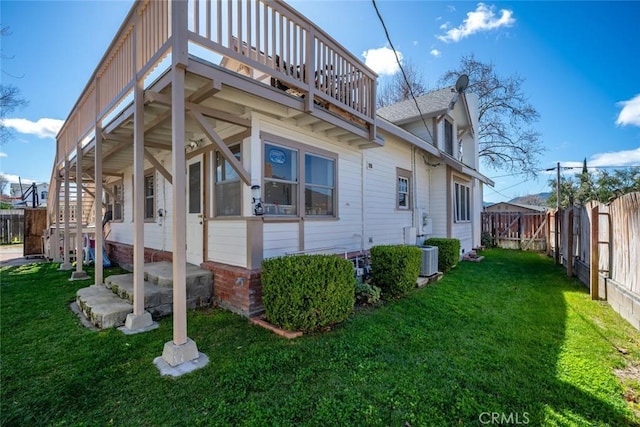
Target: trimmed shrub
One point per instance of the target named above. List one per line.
(367, 294)
(307, 292)
(395, 268)
(448, 252)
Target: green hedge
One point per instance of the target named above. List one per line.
(395, 268)
(307, 292)
(448, 252)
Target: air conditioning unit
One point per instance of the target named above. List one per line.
(429, 265)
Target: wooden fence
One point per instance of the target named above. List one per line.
(11, 226)
(600, 244)
(516, 230)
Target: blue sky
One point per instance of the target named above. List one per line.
(580, 62)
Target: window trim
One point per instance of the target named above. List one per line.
(445, 141)
(112, 202)
(302, 150)
(408, 176)
(150, 173)
(216, 183)
(458, 195)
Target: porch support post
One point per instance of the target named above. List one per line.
(140, 320)
(66, 265)
(181, 350)
(99, 238)
(54, 239)
(79, 274)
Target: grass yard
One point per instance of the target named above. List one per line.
(510, 340)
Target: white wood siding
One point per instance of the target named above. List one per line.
(280, 238)
(157, 234)
(384, 224)
(438, 196)
(228, 242)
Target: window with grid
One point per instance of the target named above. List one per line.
(114, 201)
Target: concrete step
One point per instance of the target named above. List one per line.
(103, 308)
(161, 274)
(158, 293)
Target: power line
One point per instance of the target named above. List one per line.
(404, 75)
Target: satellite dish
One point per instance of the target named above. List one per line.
(462, 83)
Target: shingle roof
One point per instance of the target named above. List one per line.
(430, 103)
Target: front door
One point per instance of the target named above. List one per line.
(195, 228)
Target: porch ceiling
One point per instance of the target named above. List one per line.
(226, 99)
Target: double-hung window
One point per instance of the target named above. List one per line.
(403, 191)
(448, 137)
(462, 201)
(149, 196)
(228, 185)
(299, 180)
(319, 185)
(280, 180)
(114, 201)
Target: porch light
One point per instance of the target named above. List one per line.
(257, 200)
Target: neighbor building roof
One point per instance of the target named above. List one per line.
(431, 104)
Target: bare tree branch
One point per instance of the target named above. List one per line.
(505, 116)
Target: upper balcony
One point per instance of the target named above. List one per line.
(267, 43)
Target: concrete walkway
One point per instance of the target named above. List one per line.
(12, 255)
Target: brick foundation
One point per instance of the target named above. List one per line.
(122, 254)
(235, 288)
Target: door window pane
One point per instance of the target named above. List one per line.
(195, 192)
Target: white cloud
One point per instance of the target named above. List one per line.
(630, 113)
(415, 42)
(481, 19)
(622, 158)
(445, 25)
(435, 52)
(43, 128)
(14, 179)
(616, 158)
(3, 154)
(382, 60)
(451, 8)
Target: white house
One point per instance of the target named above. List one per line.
(221, 134)
(29, 195)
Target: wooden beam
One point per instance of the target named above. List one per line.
(156, 164)
(206, 91)
(220, 145)
(205, 111)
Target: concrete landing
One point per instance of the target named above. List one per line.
(158, 293)
(102, 308)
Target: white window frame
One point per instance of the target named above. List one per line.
(301, 151)
(403, 175)
(219, 158)
(461, 202)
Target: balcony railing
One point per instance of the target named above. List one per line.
(272, 42)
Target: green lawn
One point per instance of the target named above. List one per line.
(510, 335)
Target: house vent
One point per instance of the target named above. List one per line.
(429, 265)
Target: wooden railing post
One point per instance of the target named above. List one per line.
(594, 258)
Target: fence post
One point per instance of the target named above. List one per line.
(570, 243)
(594, 258)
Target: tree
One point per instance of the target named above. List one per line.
(506, 137)
(397, 90)
(9, 96)
(3, 183)
(600, 185)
